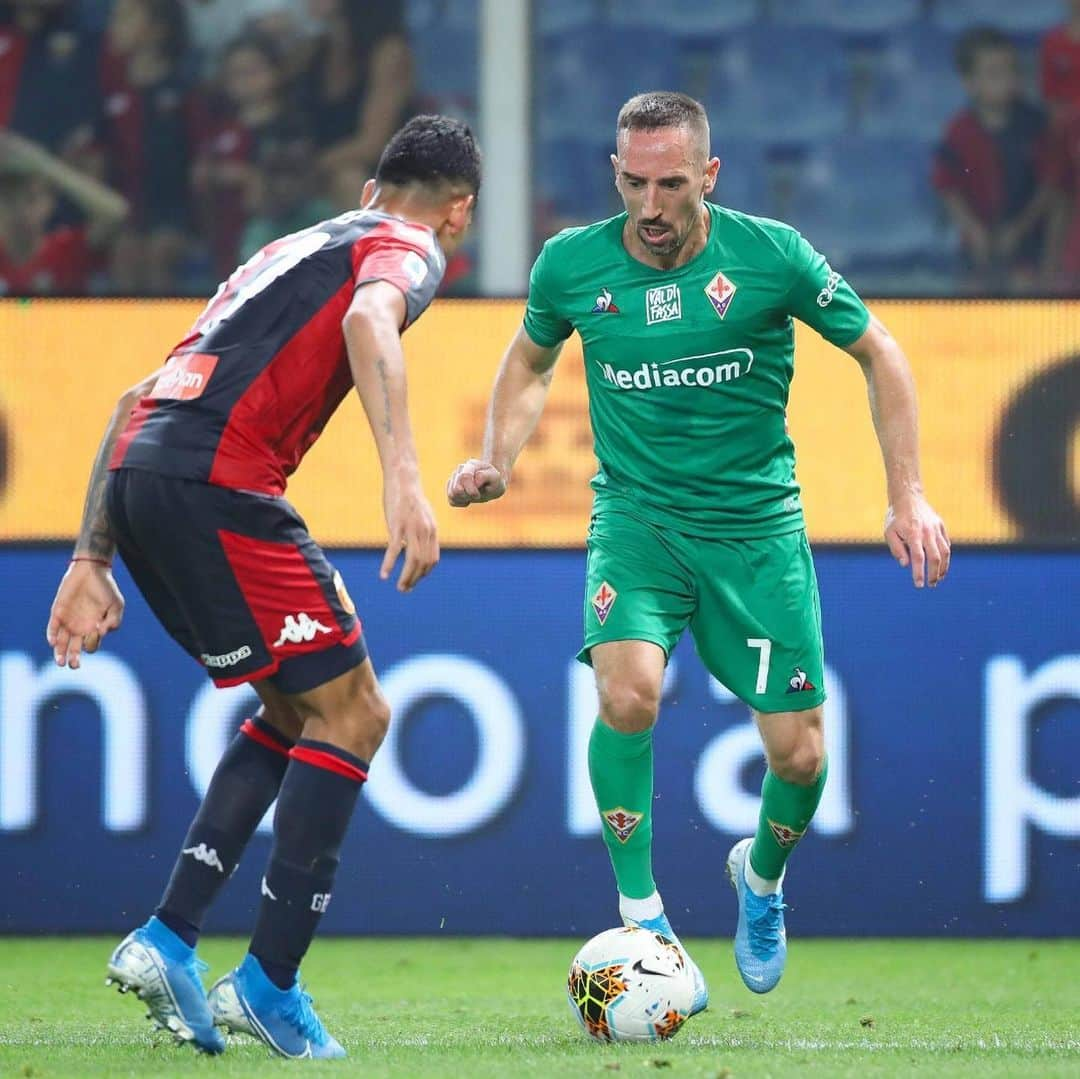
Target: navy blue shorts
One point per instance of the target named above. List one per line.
(236, 580)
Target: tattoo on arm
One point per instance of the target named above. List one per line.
(380, 366)
(95, 534)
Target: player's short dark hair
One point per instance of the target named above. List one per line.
(663, 108)
(435, 151)
(980, 39)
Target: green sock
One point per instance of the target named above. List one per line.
(621, 771)
(786, 811)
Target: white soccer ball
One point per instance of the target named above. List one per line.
(630, 985)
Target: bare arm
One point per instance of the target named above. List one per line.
(373, 339)
(517, 401)
(88, 604)
(914, 532)
(106, 209)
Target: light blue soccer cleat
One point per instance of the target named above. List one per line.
(164, 974)
(247, 1002)
(661, 925)
(760, 937)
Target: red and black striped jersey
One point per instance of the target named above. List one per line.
(249, 390)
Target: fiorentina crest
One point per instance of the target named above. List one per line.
(603, 600)
(720, 292)
(622, 822)
(785, 836)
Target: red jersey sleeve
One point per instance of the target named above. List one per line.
(408, 257)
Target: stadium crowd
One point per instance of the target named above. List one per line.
(147, 146)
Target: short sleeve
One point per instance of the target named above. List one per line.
(821, 298)
(543, 323)
(415, 265)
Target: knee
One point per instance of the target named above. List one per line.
(629, 706)
(368, 720)
(800, 758)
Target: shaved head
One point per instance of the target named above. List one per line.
(659, 109)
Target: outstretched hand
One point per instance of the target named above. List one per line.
(87, 606)
(475, 481)
(917, 538)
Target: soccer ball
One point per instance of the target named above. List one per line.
(630, 985)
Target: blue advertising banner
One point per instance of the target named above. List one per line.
(953, 804)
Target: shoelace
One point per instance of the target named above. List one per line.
(764, 923)
(300, 1013)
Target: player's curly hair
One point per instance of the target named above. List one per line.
(431, 150)
(663, 108)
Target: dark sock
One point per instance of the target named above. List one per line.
(244, 784)
(318, 795)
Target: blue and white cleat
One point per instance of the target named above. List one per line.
(661, 925)
(247, 1002)
(760, 937)
(164, 974)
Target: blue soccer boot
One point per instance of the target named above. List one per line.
(163, 972)
(760, 937)
(247, 1002)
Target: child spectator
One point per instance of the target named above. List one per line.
(149, 123)
(37, 257)
(990, 167)
(1059, 63)
(255, 113)
(286, 199)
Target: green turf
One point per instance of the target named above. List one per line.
(472, 1009)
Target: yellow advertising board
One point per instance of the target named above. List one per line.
(989, 458)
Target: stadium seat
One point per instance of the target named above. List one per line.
(743, 181)
(849, 16)
(860, 196)
(905, 84)
(574, 180)
(1014, 16)
(583, 78)
(776, 84)
(683, 17)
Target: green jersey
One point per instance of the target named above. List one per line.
(689, 369)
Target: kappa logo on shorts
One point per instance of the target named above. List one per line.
(300, 628)
(721, 291)
(622, 822)
(785, 836)
(799, 683)
(226, 659)
(603, 600)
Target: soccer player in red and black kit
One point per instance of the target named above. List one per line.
(188, 486)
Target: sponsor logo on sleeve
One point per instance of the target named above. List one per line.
(832, 283)
(415, 269)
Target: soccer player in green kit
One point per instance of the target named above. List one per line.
(685, 311)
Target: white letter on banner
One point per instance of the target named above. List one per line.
(212, 720)
(501, 738)
(1012, 800)
(729, 808)
(582, 819)
(118, 697)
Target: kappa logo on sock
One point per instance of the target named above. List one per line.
(799, 683)
(785, 836)
(603, 600)
(264, 889)
(206, 855)
(622, 822)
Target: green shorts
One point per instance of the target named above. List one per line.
(751, 605)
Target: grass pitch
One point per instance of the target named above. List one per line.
(473, 1009)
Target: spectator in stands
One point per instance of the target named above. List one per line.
(150, 119)
(286, 199)
(214, 24)
(991, 165)
(256, 113)
(1062, 263)
(1059, 63)
(357, 85)
(48, 74)
(36, 255)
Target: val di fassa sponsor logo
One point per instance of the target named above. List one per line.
(708, 369)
